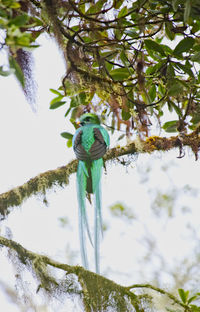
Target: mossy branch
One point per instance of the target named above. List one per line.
(60, 176)
(96, 292)
(161, 291)
(96, 289)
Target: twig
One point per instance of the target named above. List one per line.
(161, 291)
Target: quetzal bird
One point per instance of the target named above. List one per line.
(90, 143)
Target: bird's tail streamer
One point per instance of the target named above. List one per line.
(83, 220)
(96, 177)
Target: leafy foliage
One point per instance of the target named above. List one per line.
(184, 295)
(131, 60)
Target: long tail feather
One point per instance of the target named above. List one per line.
(98, 227)
(82, 239)
(82, 176)
(96, 177)
(83, 220)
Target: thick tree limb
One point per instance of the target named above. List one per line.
(86, 278)
(60, 176)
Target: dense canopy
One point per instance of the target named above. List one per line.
(132, 61)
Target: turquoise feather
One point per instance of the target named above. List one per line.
(90, 143)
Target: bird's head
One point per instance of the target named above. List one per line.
(89, 118)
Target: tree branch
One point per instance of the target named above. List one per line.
(87, 281)
(60, 176)
(161, 291)
(96, 289)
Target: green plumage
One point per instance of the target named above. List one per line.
(90, 143)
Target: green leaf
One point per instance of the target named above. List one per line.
(73, 117)
(196, 47)
(170, 126)
(175, 89)
(176, 108)
(11, 4)
(82, 7)
(125, 115)
(167, 49)
(196, 57)
(170, 71)
(154, 46)
(193, 298)
(118, 3)
(131, 33)
(123, 12)
(161, 89)
(120, 74)
(186, 68)
(69, 143)
(118, 33)
(152, 92)
(195, 27)
(24, 40)
(183, 294)
(169, 104)
(95, 7)
(75, 28)
(17, 70)
(3, 13)
(57, 104)
(194, 308)
(56, 99)
(184, 45)
(67, 112)
(108, 55)
(19, 20)
(154, 69)
(170, 34)
(124, 58)
(108, 66)
(67, 135)
(37, 22)
(55, 92)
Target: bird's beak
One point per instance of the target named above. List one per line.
(77, 124)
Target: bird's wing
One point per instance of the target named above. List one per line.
(105, 135)
(98, 148)
(79, 150)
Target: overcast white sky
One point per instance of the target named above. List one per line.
(31, 143)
